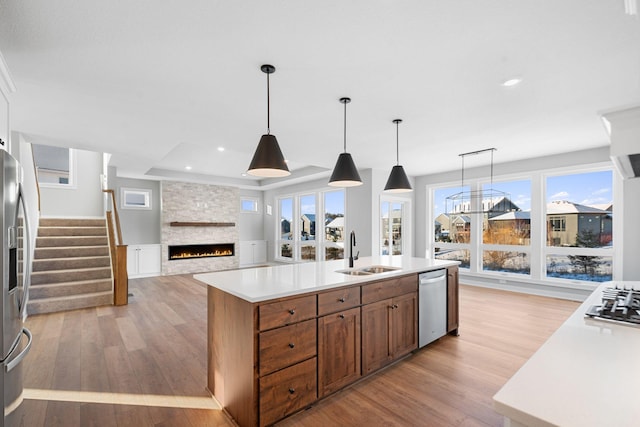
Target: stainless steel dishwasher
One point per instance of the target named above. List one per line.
(432, 306)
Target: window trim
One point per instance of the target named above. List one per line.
(538, 249)
(320, 242)
(254, 200)
(72, 184)
(145, 192)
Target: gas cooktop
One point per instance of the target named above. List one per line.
(618, 305)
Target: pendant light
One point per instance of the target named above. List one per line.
(345, 173)
(398, 181)
(268, 160)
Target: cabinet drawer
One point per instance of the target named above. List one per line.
(285, 312)
(389, 288)
(285, 346)
(286, 391)
(338, 300)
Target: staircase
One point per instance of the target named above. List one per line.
(71, 266)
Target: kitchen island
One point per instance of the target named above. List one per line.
(586, 374)
(282, 337)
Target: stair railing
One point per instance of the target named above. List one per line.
(118, 252)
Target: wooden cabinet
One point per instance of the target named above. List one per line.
(338, 339)
(287, 363)
(269, 359)
(338, 350)
(389, 326)
(286, 312)
(452, 300)
(143, 260)
(341, 299)
(282, 347)
(284, 392)
(404, 325)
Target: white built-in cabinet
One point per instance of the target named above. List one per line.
(144, 260)
(253, 252)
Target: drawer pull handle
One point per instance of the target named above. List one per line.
(341, 316)
(341, 299)
(291, 345)
(292, 311)
(395, 305)
(292, 390)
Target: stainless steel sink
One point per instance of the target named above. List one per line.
(374, 269)
(365, 271)
(354, 272)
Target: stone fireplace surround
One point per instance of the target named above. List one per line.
(199, 203)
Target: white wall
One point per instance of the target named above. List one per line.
(139, 226)
(84, 199)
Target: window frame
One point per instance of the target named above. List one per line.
(538, 249)
(72, 184)
(254, 200)
(320, 242)
(147, 193)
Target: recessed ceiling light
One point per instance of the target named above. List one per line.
(512, 82)
(188, 168)
(244, 174)
(220, 148)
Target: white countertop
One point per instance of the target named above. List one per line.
(586, 374)
(265, 283)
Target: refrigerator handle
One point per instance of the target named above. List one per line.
(27, 255)
(16, 360)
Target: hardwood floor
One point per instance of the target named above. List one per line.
(144, 364)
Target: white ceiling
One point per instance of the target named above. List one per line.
(161, 84)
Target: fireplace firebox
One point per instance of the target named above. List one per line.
(177, 252)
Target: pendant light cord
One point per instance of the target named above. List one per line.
(345, 127)
(397, 144)
(268, 108)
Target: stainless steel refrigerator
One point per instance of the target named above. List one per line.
(15, 270)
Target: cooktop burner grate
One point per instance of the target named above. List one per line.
(620, 305)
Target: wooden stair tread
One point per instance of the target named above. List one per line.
(71, 283)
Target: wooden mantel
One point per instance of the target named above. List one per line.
(201, 224)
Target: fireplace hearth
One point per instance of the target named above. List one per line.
(213, 250)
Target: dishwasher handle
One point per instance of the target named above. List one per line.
(425, 281)
(432, 276)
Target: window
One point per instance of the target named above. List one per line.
(391, 221)
(248, 205)
(285, 249)
(308, 227)
(506, 228)
(566, 224)
(451, 229)
(579, 214)
(133, 198)
(306, 239)
(54, 166)
(557, 223)
(334, 225)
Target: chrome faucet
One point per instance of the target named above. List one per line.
(352, 243)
